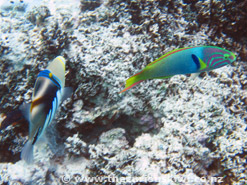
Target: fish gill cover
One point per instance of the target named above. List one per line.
(177, 129)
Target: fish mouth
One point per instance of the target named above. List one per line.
(233, 60)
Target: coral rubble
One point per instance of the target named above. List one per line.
(180, 129)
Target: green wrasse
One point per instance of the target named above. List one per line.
(183, 61)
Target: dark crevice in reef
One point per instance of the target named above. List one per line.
(135, 11)
(134, 127)
(228, 17)
(222, 20)
(9, 152)
(89, 5)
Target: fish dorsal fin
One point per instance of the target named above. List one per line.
(199, 62)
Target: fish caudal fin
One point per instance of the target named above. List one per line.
(132, 81)
(27, 152)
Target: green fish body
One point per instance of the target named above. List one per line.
(183, 61)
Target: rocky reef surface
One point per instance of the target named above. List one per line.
(172, 131)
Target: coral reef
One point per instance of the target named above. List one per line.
(75, 146)
(38, 15)
(180, 130)
(225, 20)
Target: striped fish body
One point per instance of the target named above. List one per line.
(183, 61)
(46, 98)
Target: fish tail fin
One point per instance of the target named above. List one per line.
(133, 81)
(27, 152)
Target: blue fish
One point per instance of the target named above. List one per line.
(188, 60)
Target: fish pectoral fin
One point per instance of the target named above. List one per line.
(202, 64)
(67, 92)
(25, 110)
(199, 62)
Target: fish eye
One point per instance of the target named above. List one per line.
(226, 56)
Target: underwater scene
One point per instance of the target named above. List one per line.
(123, 92)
